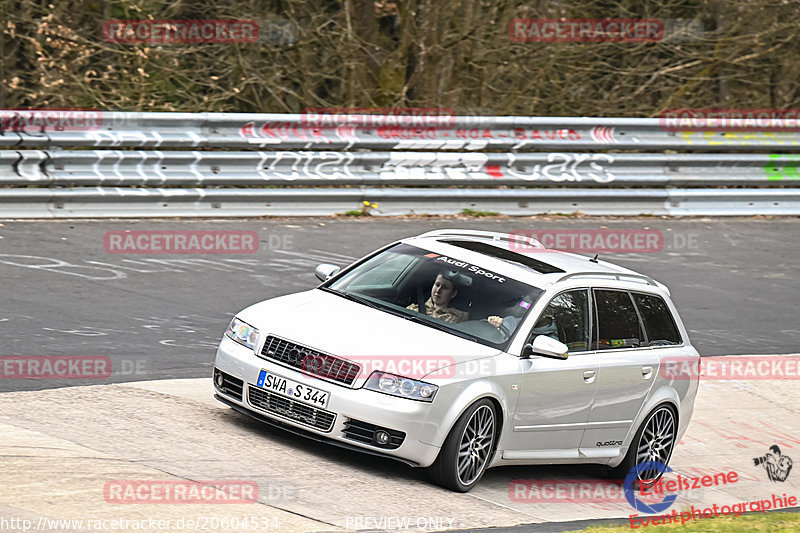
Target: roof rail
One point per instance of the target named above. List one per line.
(616, 275)
(495, 236)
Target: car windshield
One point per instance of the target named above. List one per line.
(442, 292)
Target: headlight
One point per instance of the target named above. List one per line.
(399, 386)
(243, 333)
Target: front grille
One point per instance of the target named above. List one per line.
(288, 408)
(364, 432)
(310, 361)
(230, 385)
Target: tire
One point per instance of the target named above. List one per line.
(654, 441)
(467, 449)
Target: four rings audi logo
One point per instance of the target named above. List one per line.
(295, 356)
(319, 364)
(312, 362)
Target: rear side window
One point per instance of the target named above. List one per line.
(618, 324)
(658, 321)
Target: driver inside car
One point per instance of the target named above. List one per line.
(437, 306)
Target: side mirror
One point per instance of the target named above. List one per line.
(325, 271)
(547, 347)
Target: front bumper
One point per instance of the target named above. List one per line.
(347, 405)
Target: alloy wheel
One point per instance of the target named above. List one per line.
(475, 445)
(656, 443)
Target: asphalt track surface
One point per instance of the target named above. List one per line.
(159, 317)
(155, 316)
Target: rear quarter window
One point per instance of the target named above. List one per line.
(658, 321)
(617, 323)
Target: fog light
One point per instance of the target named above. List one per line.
(381, 437)
(220, 380)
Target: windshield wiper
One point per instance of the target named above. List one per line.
(353, 297)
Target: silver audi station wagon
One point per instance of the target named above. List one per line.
(461, 350)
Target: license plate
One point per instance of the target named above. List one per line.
(292, 389)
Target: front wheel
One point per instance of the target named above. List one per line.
(653, 442)
(468, 448)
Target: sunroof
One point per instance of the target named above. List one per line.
(506, 255)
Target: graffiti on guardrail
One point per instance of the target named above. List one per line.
(566, 167)
(286, 131)
(785, 168)
(560, 167)
(604, 135)
(563, 134)
(291, 166)
(365, 127)
(740, 138)
(422, 164)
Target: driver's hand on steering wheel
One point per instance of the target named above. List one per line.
(496, 321)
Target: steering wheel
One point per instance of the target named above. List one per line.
(505, 330)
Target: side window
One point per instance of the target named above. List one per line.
(658, 322)
(618, 324)
(566, 319)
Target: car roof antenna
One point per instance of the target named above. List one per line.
(594, 259)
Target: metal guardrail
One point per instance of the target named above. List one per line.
(101, 202)
(284, 168)
(179, 164)
(303, 132)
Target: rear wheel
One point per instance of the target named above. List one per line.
(468, 448)
(653, 442)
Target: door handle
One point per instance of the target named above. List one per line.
(647, 371)
(588, 376)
